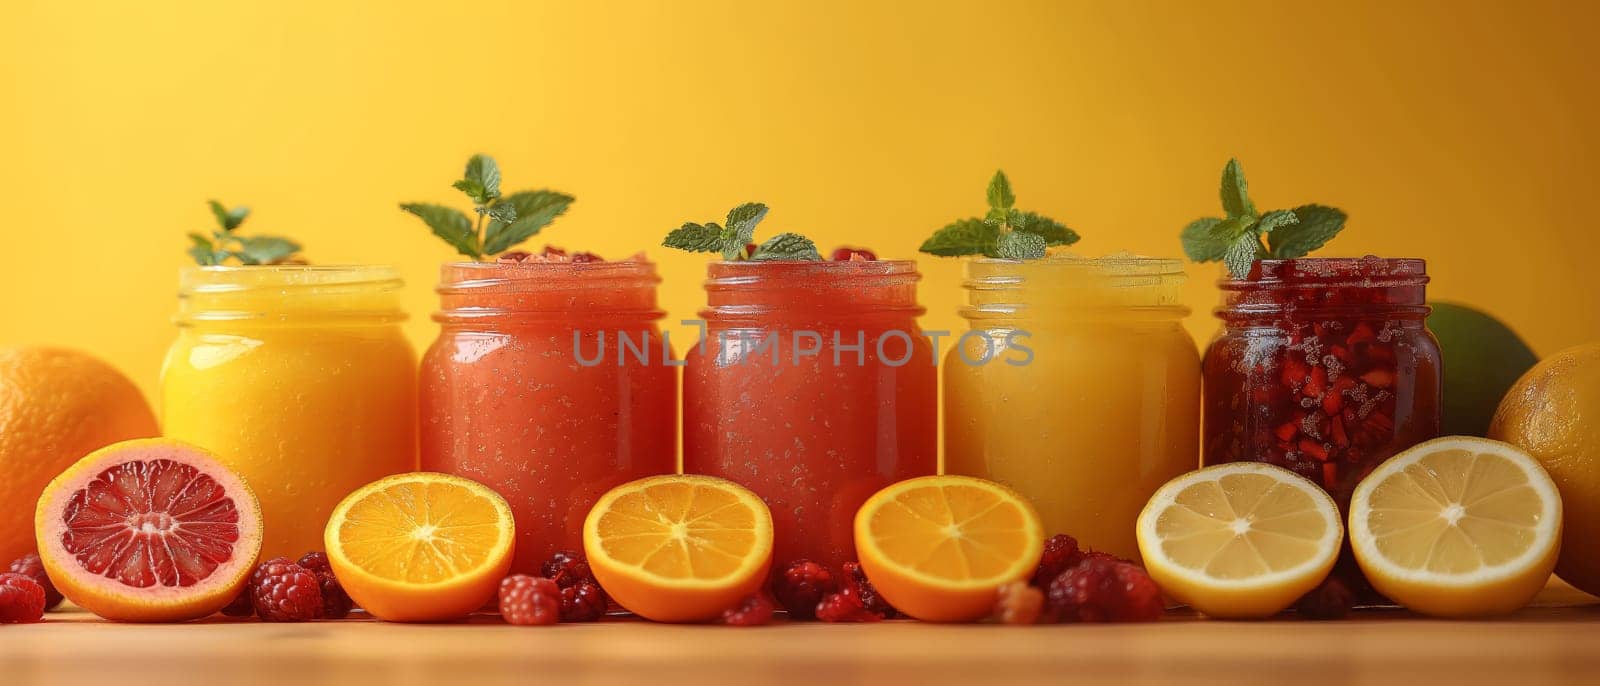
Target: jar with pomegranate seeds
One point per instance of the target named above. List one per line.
(1324, 366)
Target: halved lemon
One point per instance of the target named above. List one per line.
(1239, 540)
(679, 547)
(937, 547)
(421, 547)
(1457, 526)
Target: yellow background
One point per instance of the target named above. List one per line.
(1462, 132)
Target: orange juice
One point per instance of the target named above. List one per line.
(300, 380)
(1078, 387)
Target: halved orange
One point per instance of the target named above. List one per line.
(938, 547)
(680, 547)
(421, 547)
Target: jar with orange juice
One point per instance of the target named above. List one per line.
(299, 379)
(1077, 386)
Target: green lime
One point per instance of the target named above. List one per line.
(1482, 359)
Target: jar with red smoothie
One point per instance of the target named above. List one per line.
(550, 383)
(1324, 366)
(814, 388)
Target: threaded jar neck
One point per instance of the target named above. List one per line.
(289, 294)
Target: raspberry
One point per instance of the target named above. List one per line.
(1103, 589)
(845, 606)
(856, 579)
(1018, 603)
(849, 254)
(529, 600)
(31, 565)
(567, 568)
(283, 591)
(1060, 554)
(1329, 600)
(754, 610)
(583, 602)
(336, 604)
(801, 586)
(243, 605)
(21, 599)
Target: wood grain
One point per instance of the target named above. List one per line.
(1557, 641)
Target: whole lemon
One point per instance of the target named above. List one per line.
(1553, 412)
(55, 407)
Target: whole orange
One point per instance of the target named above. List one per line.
(56, 406)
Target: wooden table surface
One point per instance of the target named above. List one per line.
(1556, 641)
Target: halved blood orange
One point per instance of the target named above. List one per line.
(150, 530)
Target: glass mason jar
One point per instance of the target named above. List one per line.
(1323, 366)
(813, 387)
(1077, 386)
(552, 384)
(299, 379)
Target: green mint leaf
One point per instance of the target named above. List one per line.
(534, 211)
(1235, 192)
(448, 223)
(471, 188)
(1200, 241)
(1000, 195)
(998, 217)
(201, 240)
(481, 180)
(964, 237)
(695, 238)
(1241, 254)
(204, 251)
(265, 249)
(1271, 221)
(742, 220)
(1052, 231)
(505, 214)
(226, 218)
(785, 246)
(1316, 226)
(1021, 245)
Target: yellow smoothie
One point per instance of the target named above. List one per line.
(300, 380)
(1077, 386)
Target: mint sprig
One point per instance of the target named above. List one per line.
(1247, 235)
(1004, 231)
(503, 221)
(224, 242)
(734, 237)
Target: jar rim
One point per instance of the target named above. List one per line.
(467, 277)
(223, 278)
(1369, 270)
(352, 293)
(823, 268)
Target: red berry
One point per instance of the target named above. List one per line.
(31, 565)
(1018, 603)
(847, 253)
(1060, 554)
(855, 579)
(529, 600)
(1103, 589)
(754, 610)
(1329, 600)
(801, 586)
(566, 568)
(21, 599)
(283, 591)
(583, 602)
(845, 606)
(336, 604)
(243, 605)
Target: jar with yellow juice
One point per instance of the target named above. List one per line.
(299, 379)
(1077, 386)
